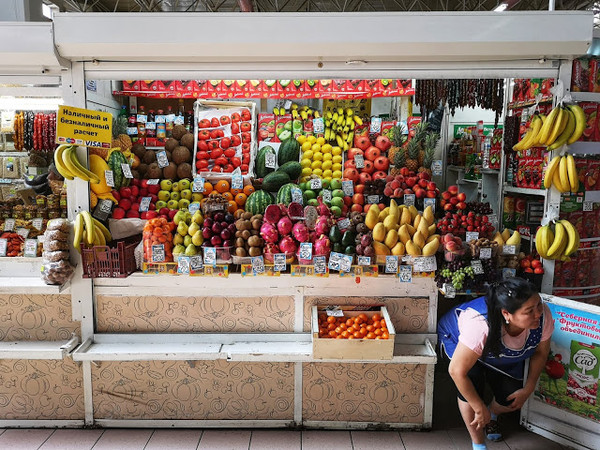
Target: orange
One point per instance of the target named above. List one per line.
(228, 196)
(232, 206)
(222, 186)
(240, 199)
(208, 188)
(236, 191)
(248, 189)
(376, 316)
(331, 319)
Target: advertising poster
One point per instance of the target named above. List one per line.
(570, 379)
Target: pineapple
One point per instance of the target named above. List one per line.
(420, 136)
(412, 150)
(399, 161)
(398, 140)
(430, 144)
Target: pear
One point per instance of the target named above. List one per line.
(379, 232)
(431, 248)
(419, 239)
(190, 250)
(394, 211)
(178, 250)
(406, 217)
(380, 249)
(506, 235)
(197, 218)
(372, 217)
(417, 221)
(413, 249)
(391, 239)
(391, 223)
(177, 239)
(179, 217)
(424, 229)
(193, 228)
(413, 212)
(182, 227)
(515, 239)
(197, 238)
(404, 234)
(498, 238)
(383, 214)
(187, 240)
(428, 215)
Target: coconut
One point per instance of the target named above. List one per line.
(154, 171)
(179, 131)
(135, 174)
(142, 169)
(181, 154)
(184, 170)
(171, 144)
(138, 150)
(149, 157)
(170, 172)
(187, 141)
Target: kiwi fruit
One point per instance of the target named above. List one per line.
(184, 170)
(171, 144)
(170, 172)
(149, 157)
(187, 141)
(154, 171)
(181, 155)
(179, 131)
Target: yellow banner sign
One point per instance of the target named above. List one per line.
(83, 127)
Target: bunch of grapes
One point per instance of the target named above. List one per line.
(459, 274)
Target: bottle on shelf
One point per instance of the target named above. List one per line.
(161, 131)
(189, 121)
(132, 129)
(151, 125)
(180, 117)
(170, 117)
(141, 124)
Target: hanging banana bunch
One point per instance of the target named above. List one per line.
(339, 127)
(89, 231)
(557, 244)
(67, 164)
(562, 174)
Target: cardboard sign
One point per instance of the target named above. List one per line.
(485, 253)
(145, 204)
(409, 199)
(23, 232)
(270, 160)
(424, 264)
(183, 265)
(359, 160)
(162, 160)
(320, 263)
(477, 267)
(279, 264)
(103, 209)
(210, 256)
(316, 183)
(85, 127)
(297, 195)
(449, 291)
(38, 223)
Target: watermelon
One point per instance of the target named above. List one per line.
(258, 201)
(273, 181)
(292, 168)
(288, 151)
(261, 169)
(284, 195)
(115, 160)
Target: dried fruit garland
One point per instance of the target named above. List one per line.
(485, 93)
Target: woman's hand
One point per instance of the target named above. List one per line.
(518, 397)
(482, 418)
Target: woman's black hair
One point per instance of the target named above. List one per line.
(509, 295)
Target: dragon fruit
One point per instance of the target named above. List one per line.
(300, 232)
(322, 246)
(322, 226)
(284, 226)
(288, 245)
(271, 248)
(272, 214)
(322, 209)
(269, 233)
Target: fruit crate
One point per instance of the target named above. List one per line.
(116, 260)
(368, 349)
(150, 268)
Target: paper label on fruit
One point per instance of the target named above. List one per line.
(359, 160)
(198, 184)
(316, 183)
(3, 245)
(472, 236)
(158, 253)
(183, 265)
(326, 194)
(210, 256)
(348, 188)
(449, 291)
(297, 195)
(375, 125)
(258, 264)
(196, 263)
(588, 206)
(372, 199)
(306, 250)
(162, 160)
(424, 264)
(38, 223)
(364, 260)
(405, 274)
(145, 204)
(279, 264)
(409, 199)
(318, 126)
(30, 249)
(23, 232)
(193, 207)
(509, 250)
(237, 182)
(477, 267)
(320, 263)
(485, 253)
(429, 202)
(334, 260)
(103, 210)
(508, 273)
(343, 224)
(436, 167)
(391, 264)
(153, 181)
(110, 178)
(270, 160)
(126, 171)
(9, 224)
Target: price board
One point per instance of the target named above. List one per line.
(346, 263)
(237, 182)
(258, 264)
(127, 170)
(9, 224)
(3, 246)
(348, 188)
(326, 194)
(103, 209)
(270, 160)
(449, 290)
(306, 250)
(153, 182)
(198, 184)
(334, 261)
(110, 178)
(508, 273)
(436, 168)
(343, 224)
(485, 253)
(193, 207)
(405, 274)
(429, 202)
(316, 183)
(158, 253)
(279, 263)
(210, 256)
(364, 260)
(30, 248)
(424, 264)
(372, 199)
(145, 204)
(359, 161)
(297, 195)
(472, 236)
(391, 264)
(320, 263)
(161, 159)
(23, 232)
(183, 265)
(38, 223)
(477, 267)
(196, 263)
(409, 199)
(509, 250)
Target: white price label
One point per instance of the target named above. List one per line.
(23, 232)
(9, 224)
(429, 202)
(485, 253)
(409, 199)
(306, 250)
(279, 264)
(30, 249)
(477, 267)
(210, 256)
(110, 178)
(588, 206)
(509, 250)
(270, 160)
(318, 125)
(153, 181)
(127, 171)
(141, 118)
(103, 209)
(436, 167)
(375, 125)
(346, 263)
(38, 223)
(391, 264)
(449, 291)
(198, 184)
(424, 264)
(348, 188)
(320, 263)
(508, 273)
(158, 253)
(297, 195)
(195, 263)
(132, 131)
(316, 183)
(326, 194)
(333, 311)
(334, 260)
(258, 264)
(364, 260)
(179, 120)
(343, 224)
(359, 161)
(183, 265)
(372, 199)
(145, 204)
(493, 219)
(3, 246)
(193, 207)
(150, 125)
(472, 236)
(161, 159)
(287, 104)
(160, 118)
(405, 274)
(237, 182)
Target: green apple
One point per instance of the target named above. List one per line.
(165, 196)
(184, 203)
(335, 184)
(186, 193)
(184, 184)
(336, 210)
(161, 204)
(166, 185)
(173, 204)
(337, 193)
(175, 195)
(176, 186)
(337, 201)
(313, 202)
(196, 197)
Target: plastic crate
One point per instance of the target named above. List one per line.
(116, 260)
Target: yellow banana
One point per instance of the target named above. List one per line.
(559, 243)
(548, 125)
(107, 196)
(67, 157)
(100, 226)
(90, 175)
(567, 132)
(559, 125)
(572, 174)
(317, 114)
(550, 171)
(557, 182)
(89, 226)
(328, 115)
(563, 173)
(573, 235)
(58, 162)
(339, 141)
(358, 120)
(580, 121)
(334, 118)
(349, 121)
(543, 239)
(340, 120)
(520, 146)
(98, 237)
(78, 232)
(536, 126)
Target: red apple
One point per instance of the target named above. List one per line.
(453, 189)
(118, 213)
(423, 183)
(461, 205)
(132, 214)
(431, 186)
(461, 197)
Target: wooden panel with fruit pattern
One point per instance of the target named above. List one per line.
(194, 314)
(378, 393)
(193, 390)
(41, 390)
(409, 315)
(36, 317)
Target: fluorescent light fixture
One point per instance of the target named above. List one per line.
(501, 7)
(30, 103)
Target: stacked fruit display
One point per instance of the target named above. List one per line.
(247, 236)
(417, 156)
(359, 327)
(336, 201)
(188, 237)
(363, 236)
(89, 231)
(340, 126)
(366, 161)
(459, 223)
(453, 200)
(508, 238)
(158, 232)
(218, 231)
(283, 230)
(562, 174)
(397, 186)
(559, 243)
(320, 158)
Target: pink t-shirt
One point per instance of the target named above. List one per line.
(474, 330)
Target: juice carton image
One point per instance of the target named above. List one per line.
(584, 372)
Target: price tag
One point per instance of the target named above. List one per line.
(132, 131)
(326, 194)
(375, 125)
(306, 250)
(485, 253)
(183, 265)
(161, 159)
(38, 223)
(142, 118)
(193, 207)
(318, 125)
(409, 199)
(364, 260)
(346, 263)
(297, 195)
(287, 104)
(9, 224)
(3, 246)
(23, 232)
(127, 170)
(509, 250)
(30, 248)
(258, 264)
(210, 256)
(493, 219)
(145, 204)
(477, 267)
(424, 264)
(405, 274)
(160, 118)
(158, 253)
(153, 181)
(316, 183)
(391, 264)
(198, 184)
(508, 273)
(320, 263)
(150, 125)
(449, 291)
(334, 260)
(372, 199)
(472, 236)
(343, 224)
(359, 160)
(348, 188)
(334, 311)
(237, 182)
(436, 167)
(588, 206)
(103, 209)
(429, 202)
(270, 160)
(279, 264)
(195, 263)
(110, 178)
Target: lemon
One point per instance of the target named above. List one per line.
(317, 156)
(337, 174)
(305, 163)
(306, 171)
(326, 165)
(321, 140)
(317, 172)
(327, 173)
(316, 165)
(301, 139)
(316, 148)
(311, 139)
(336, 151)
(326, 148)
(336, 166)
(304, 179)
(337, 158)
(307, 154)
(327, 157)
(306, 146)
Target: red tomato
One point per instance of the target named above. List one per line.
(204, 123)
(216, 153)
(246, 126)
(225, 120)
(236, 162)
(214, 122)
(203, 135)
(202, 145)
(229, 152)
(202, 155)
(235, 141)
(246, 137)
(235, 117)
(225, 143)
(235, 128)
